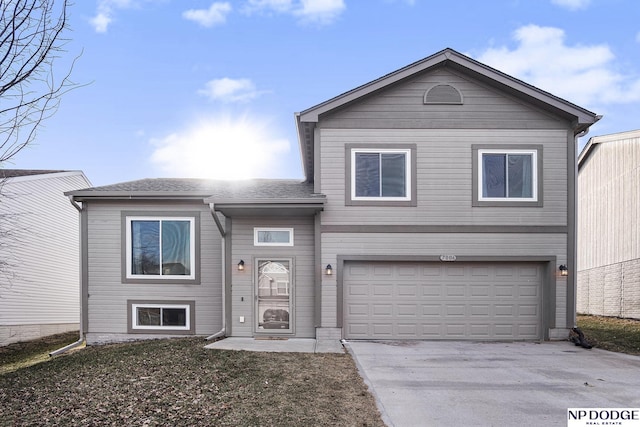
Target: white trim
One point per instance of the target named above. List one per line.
(134, 317)
(534, 175)
(257, 230)
(192, 248)
(407, 169)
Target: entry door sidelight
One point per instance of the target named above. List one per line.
(274, 296)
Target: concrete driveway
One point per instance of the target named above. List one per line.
(436, 383)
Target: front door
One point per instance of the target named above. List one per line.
(274, 295)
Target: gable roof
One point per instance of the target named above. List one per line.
(596, 140)
(307, 119)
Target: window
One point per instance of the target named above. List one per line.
(381, 174)
(273, 236)
(507, 177)
(175, 316)
(160, 248)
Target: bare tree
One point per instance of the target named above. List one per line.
(31, 40)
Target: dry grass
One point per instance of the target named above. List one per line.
(178, 382)
(22, 354)
(611, 333)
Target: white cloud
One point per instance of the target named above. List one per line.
(216, 14)
(104, 13)
(222, 147)
(638, 37)
(583, 74)
(321, 12)
(572, 4)
(230, 90)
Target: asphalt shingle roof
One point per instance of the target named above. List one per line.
(258, 189)
(13, 173)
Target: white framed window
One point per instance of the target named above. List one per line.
(174, 317)
(273, 236)
(160, 248)
(381, 174)
(507, 175)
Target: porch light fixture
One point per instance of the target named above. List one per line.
(241, 265)
(328, 270)
(564, 271)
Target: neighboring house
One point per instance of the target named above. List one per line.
(438, 203)
(39, 266)
(609, 226)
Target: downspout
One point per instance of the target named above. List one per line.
(81, 337)
(222, 331)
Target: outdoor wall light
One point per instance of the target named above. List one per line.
(241, 265)
(328, 270)
(564, 271)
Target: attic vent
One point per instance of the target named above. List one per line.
(443, 94)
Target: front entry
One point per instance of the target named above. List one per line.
(274, 296)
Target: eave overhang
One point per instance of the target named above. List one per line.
(268, 208)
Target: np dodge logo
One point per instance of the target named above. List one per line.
(625, 417)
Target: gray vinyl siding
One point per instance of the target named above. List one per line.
(444, 177)
(609, 228)
(401, 106)
(40, 283)
(432, 245)
(303, 255)
(108, 295)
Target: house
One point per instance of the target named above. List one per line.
(438, 203)
(39, 268)
(609, 226)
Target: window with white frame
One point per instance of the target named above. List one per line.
(175, 317)
(273, 236)
(160, 247)
(507, 175)
(380, 174)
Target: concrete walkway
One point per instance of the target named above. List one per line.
(436, 383)
(293, 345)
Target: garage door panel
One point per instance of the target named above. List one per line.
(431, 290)
(385, 290)
(441, 301)
(382, 310)
(431, 310)
(404, 310)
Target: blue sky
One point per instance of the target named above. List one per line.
(203, 88)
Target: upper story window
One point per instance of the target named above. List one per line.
(273, 236)
(509, 177)
(381, 175)
(160, 248)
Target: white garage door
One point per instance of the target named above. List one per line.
(484, 301)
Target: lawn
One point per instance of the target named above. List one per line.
(179, 382)
(611, 333)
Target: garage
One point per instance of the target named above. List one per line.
(443, 300)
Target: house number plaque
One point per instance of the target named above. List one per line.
(447, 258)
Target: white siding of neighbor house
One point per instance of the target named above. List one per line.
(609, 228)
(434, 245)
(243, 282)
(108, 295)
(39, 286)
